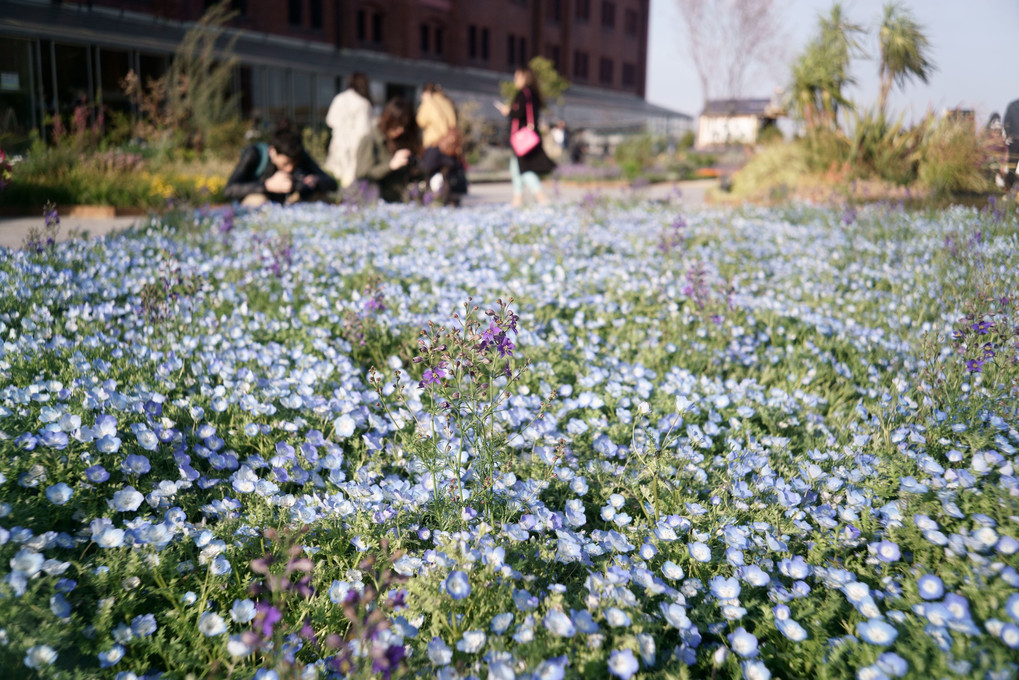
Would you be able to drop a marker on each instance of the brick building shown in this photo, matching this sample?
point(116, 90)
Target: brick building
point(296, 54)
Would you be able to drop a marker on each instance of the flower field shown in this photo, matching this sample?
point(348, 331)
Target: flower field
point(599, 440)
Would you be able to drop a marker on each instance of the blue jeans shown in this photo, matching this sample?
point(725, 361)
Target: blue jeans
point(519, 179)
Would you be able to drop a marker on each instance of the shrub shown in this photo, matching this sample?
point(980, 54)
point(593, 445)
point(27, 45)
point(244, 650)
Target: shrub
point(952, 159)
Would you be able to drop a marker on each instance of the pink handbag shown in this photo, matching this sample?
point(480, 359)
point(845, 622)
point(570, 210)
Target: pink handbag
point(525, 139)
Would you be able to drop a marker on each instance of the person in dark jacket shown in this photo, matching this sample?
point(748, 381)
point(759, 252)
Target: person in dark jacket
point(387, 156)
point(523, 112)
point(279, 172)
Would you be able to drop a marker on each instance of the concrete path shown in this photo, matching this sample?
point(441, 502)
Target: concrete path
point(14, 231)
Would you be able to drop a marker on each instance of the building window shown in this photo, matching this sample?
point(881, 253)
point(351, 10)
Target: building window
point(605, 68)
point(583, 10)
point(580, 65)
point(608, 14)
point(431, 39)
point(484, 44)
point(630, 22)
point(629, 75)
point(369, 26)
point(294, 17)
point(522, 50)
point(472, 42)
point(554, 10)
point(552, 52)
point(315, 14)
point(511, 49)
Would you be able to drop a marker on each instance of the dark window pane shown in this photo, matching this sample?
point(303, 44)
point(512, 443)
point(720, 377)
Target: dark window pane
point(472, 42)
point(362, 31)
point(294, 8)
point(438, 40)
point(377, 28)
point(315, 14)
point(484, 44)
point(424, 38)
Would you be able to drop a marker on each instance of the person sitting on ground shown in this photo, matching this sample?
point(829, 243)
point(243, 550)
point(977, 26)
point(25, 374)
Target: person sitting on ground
point(442, 158)
point(279, 171)
point(387, 156)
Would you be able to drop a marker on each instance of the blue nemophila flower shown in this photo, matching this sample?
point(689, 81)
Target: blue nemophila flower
point(143, 625)
point(97, 474)
point(699, 551)
point(876, 632)
point(500, 622)
point(892, 664)
point(439, 652)
point(743, 643)
point(672, 571)
point(40, 656)
point(724, 588)
point(623, 664)
point(135, 464)
point(886, 551)
point(558, 623)
point(930, 587)
point(127, 499)
point(551, 669)
point(111, 656)
point(1012, 606)
point(472, 641)
point(59, 493)
point(616, 618)
point(755, 669)
point(211, 624)
point(458, 585)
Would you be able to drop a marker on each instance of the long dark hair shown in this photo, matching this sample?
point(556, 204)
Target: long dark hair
point(398, 112)
point(531, 83)
point(359, 83)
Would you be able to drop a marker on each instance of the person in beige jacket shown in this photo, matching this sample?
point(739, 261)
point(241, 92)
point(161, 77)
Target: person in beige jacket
point(436, 115)
point(350, 119)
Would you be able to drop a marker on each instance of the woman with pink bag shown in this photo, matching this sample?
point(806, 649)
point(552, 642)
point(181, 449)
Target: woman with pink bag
point(529, 161)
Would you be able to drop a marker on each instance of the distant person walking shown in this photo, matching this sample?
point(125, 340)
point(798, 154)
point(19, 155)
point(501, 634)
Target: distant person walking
point(529, 161)
point(350, 119)
point(279, 171)
point(387, 155)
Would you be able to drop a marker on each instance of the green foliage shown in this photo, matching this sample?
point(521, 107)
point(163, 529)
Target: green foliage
point(952, 158)
point(883, 148)
point(200, 77)
point(634, 154)
point(551, 83)
point(904, 50)
point(821, 72)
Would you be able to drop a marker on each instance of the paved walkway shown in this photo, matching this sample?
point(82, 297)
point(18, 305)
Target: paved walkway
point(13, 231)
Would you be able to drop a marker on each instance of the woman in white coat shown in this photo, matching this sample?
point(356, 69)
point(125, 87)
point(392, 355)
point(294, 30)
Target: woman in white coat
point(350, 119)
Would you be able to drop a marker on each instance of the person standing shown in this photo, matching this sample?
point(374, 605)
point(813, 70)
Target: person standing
point(387, 155)
point(527, 168)
point(350, 119)
point(279, 171)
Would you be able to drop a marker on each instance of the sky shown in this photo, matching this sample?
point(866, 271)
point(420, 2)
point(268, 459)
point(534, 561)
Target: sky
point(974, 43)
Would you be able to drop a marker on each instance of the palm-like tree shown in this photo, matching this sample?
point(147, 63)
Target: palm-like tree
point(904, 50)
point(822, 70)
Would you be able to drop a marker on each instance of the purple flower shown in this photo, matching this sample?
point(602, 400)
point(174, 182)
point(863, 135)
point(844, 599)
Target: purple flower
point(433, 376)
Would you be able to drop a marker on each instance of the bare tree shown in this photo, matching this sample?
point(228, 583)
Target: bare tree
point(731, 41)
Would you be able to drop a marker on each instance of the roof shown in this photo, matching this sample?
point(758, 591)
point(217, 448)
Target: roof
point(739, 107)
